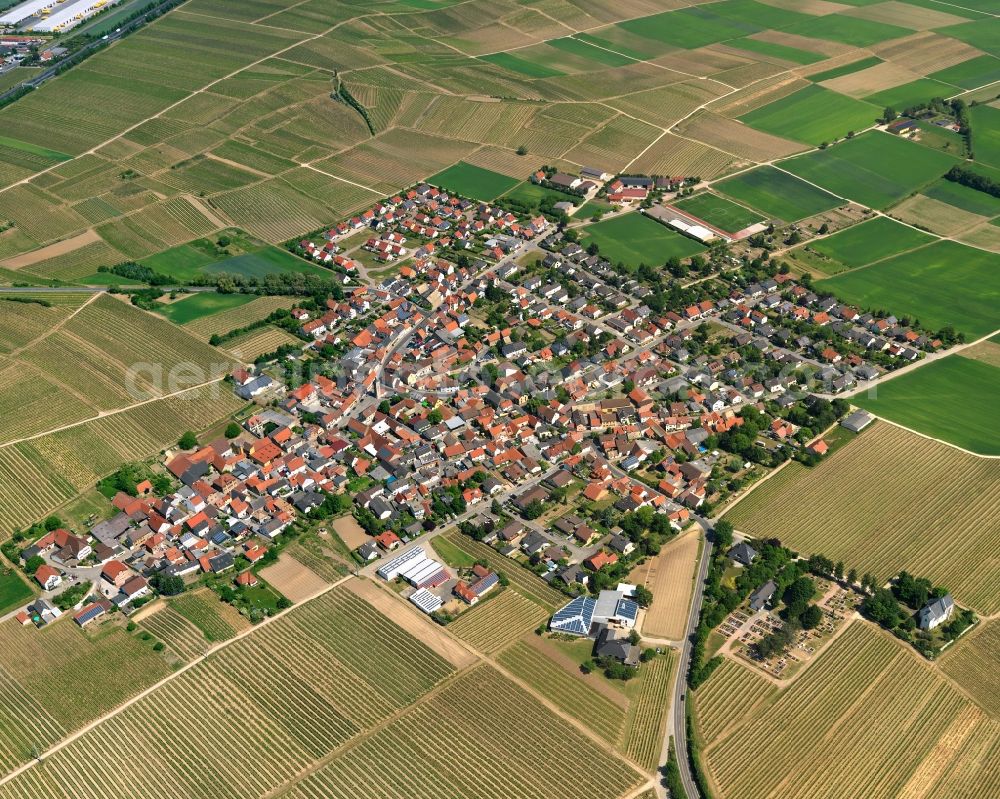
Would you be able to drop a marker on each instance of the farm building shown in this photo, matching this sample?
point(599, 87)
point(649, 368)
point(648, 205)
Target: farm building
point(426, 601)
point(416, 568)
point(857, 421)
point(583, 615)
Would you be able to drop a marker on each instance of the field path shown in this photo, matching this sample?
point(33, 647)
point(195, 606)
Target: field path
point(146, 692)
point(58, 326)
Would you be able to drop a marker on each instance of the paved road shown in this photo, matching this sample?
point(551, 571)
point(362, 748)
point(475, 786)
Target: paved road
point(679, 713)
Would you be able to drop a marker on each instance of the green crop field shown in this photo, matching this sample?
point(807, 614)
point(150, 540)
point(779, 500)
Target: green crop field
point(777, 194)
point(698, 26)
point(909, 94)
point(813, 115)
point(847, 30)
point(14, 591)
point(187, 262)
point(968, 199)
point(876, 169)
point(532, 195)
point(943, 284)
point(846, 69)
point(986, 134)
point(570, 44)
point(718, 212)
point(472, 181)
point(530, 68)
point(203, 304)
point(953, 399)
point(634, 239)
point(870, 241)
point(969, 74)
point(784, 52)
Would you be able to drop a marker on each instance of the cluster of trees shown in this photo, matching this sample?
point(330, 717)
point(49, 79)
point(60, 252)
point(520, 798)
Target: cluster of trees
point(12, 546)
point(773, 562)
point(29, 301)
point(298, 284)
point(742, 440)
point(129, 475)
point(130, 270)
point(343, 94)
point(282, 317)
point(973, 180)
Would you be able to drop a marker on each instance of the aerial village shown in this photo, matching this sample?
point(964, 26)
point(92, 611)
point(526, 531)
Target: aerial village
point(502, 380)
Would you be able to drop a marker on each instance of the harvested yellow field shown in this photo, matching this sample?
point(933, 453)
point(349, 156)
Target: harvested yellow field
point(985, 351)
point(926, 51)
point(758, 95)
point(907, 16)
point(868, 718)
point(294, 580)
point(870, 503)
point(252, 345)
point(986, 237)
point(674, 155)
point(940, 217)
point(974, 663)
point(350, 532)
point(869, 81)
point(734, 137)
point(670, 576)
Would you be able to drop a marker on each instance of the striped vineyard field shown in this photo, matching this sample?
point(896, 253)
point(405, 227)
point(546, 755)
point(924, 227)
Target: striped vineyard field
point(251, 346)
point(49, 664)
point(501, 743)
point(974, 663)
point(280, 698)
point(498, 620)
point(215, 619)
point(28, 488)
point(240, 316)
point(571, 694)
point(86, 452)
point(181, 635)
point(25, 726)
point(732, 693)
point(865, 719)
point(878, 505)
point(22, 322)
point(646, 723)
point(526, 582)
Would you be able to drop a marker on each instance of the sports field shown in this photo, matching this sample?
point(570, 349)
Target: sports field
point(953, 399)
point(635, 239)
point(870, 241)
point(777, 194)
point(472, 181)
point(876, 169)
point(868, 718)
point(719, 212)
point(945, 283)
point(869, 503)
point(813, 115)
